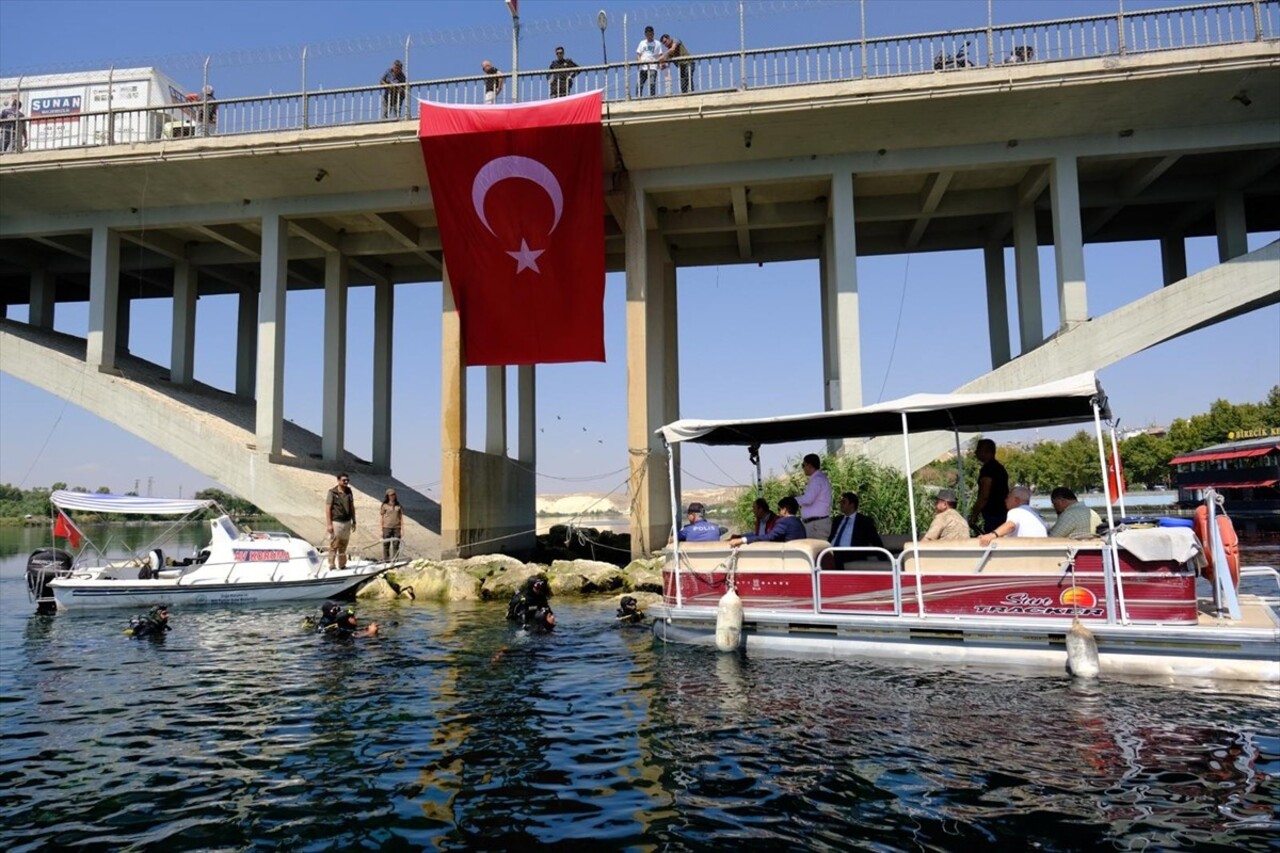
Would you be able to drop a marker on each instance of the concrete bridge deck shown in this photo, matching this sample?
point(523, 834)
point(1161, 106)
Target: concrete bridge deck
point(1163, 145)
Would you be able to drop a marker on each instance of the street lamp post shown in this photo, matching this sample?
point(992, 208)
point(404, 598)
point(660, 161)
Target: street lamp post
point(602, 21)
point(514, 6)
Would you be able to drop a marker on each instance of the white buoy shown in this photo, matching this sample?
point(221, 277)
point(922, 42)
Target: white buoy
point(1082, 651)
point(729, 622)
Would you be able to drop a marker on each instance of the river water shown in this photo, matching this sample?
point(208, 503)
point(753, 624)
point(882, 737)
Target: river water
point(239, 731)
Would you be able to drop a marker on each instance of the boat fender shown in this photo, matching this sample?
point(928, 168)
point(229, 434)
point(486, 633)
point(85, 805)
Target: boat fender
point(1230, 543)
point(1082, 651)
point(729, 622)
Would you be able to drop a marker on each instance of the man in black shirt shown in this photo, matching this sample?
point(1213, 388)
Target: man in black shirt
point(561, 78)
point(989, 511)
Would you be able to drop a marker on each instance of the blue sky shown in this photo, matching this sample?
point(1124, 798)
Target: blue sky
point(930, 338)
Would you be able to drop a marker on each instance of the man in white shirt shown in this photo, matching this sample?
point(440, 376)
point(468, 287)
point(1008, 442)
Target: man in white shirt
point(647, 55)
point(1022, 521)
point(815, 503)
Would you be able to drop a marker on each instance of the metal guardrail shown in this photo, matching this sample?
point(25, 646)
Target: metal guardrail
point(1095, 36)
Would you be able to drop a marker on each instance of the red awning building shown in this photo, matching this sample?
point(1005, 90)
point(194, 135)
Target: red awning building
point(1246, 472)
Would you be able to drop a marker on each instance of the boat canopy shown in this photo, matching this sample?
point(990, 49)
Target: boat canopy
point(1064, 401)
point(125, 504)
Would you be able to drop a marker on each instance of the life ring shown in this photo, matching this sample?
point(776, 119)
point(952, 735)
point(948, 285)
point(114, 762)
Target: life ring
point(1230, 543)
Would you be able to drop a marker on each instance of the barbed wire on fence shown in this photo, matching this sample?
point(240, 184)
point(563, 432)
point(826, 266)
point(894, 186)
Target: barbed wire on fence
point(498, 34)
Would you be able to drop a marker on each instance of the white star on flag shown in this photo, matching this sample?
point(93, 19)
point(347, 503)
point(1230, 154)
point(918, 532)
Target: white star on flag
point(526, 258)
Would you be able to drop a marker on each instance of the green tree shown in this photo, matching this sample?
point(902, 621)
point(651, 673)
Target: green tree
point(1145, 459)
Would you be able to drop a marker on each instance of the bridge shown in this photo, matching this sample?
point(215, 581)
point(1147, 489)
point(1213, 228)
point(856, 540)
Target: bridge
point(1155, 126)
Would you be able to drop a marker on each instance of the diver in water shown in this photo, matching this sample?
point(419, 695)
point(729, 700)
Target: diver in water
point(530, 608)
point(336, 621)
point(629, 612)
point(154, 624)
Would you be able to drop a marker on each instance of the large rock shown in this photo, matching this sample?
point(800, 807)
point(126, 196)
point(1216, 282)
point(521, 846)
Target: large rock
point(584, 577)
point(503, 583)
point(427, 580)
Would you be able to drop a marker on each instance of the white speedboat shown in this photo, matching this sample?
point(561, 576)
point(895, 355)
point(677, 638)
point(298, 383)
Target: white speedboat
point(235, 567)
point(1012, 603)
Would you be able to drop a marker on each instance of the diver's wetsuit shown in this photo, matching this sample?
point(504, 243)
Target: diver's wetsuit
point(334, 621)
point(529, 606)
point(154, 624)
point(629, 612)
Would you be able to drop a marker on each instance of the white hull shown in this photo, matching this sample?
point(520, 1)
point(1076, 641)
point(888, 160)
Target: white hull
point(1225, 652)
point(74, 593)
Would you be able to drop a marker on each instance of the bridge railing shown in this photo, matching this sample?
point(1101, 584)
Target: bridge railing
point(1094, 36)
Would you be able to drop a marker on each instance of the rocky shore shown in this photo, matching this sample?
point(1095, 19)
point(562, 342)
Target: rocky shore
point(496, 577)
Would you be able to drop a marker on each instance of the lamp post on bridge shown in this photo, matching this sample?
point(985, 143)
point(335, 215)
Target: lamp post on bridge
point(514, 6)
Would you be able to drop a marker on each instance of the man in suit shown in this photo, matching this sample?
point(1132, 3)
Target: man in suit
point(854, 529)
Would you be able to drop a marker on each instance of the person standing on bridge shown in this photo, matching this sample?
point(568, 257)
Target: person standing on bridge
point(13, 133)
point(492, 82)
point(647, 52)
point(562, 74)
point(675, 51)
point(393, 85)
point(339, 519)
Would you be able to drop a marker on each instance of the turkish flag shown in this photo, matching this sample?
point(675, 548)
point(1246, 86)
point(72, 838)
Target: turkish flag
point(519, 197)
point(1115, 477)
point(63, 528)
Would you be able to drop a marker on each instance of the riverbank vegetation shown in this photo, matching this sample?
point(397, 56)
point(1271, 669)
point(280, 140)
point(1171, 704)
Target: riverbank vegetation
point(32, 506)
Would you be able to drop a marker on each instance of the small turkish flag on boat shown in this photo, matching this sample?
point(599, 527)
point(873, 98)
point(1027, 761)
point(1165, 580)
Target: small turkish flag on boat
point(65, 529)
point(1115, 477)
point(519, 195)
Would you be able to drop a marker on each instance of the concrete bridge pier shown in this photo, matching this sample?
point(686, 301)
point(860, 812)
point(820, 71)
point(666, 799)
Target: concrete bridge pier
point(487, 499)
point(838, 271)
point(104, 298)
point(652, 370)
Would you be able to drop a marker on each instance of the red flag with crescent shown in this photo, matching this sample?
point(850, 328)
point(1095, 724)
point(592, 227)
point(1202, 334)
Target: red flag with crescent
point(65, 529)
point(1115, 476)
point(519, 196)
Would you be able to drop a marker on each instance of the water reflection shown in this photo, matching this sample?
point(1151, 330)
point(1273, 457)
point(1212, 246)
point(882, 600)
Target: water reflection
point(449, 730)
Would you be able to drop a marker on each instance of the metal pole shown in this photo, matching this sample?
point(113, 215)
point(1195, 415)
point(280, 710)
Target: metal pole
point(1257, 20)
point(675, 513)
point(626, 58)
point(204, 99)
point(862, 14)
point(515, 58)
point(19, 124)
point(602, 21)
point(1114, 585)
point(1120, 25)
point(111, 119)
point(305, 117)
point(915, 533)
point(742, 45)
point(404, 96)
point(991, 41)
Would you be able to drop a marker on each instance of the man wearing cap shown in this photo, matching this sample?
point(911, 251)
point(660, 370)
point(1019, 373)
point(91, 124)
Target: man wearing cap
point(815, 503)
point(948, 524)
point(699, 529)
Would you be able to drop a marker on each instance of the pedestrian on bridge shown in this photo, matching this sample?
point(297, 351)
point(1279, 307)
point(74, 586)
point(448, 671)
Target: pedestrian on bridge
point(393, 86)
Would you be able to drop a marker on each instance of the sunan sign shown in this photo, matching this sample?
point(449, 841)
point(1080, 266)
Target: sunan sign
point(56, 105)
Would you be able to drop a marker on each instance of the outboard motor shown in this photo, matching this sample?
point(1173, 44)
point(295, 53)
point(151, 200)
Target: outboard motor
point(43, 566)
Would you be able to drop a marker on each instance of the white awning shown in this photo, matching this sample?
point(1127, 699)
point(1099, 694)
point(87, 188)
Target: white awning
point(1065, 401)
point(125, 504)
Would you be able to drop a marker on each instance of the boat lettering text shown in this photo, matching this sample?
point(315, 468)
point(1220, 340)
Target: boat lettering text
point(1022, 603)
point(260, 555)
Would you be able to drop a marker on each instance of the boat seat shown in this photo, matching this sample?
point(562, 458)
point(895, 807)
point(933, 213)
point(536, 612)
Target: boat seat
point(797, 555)
point(1033, 556)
